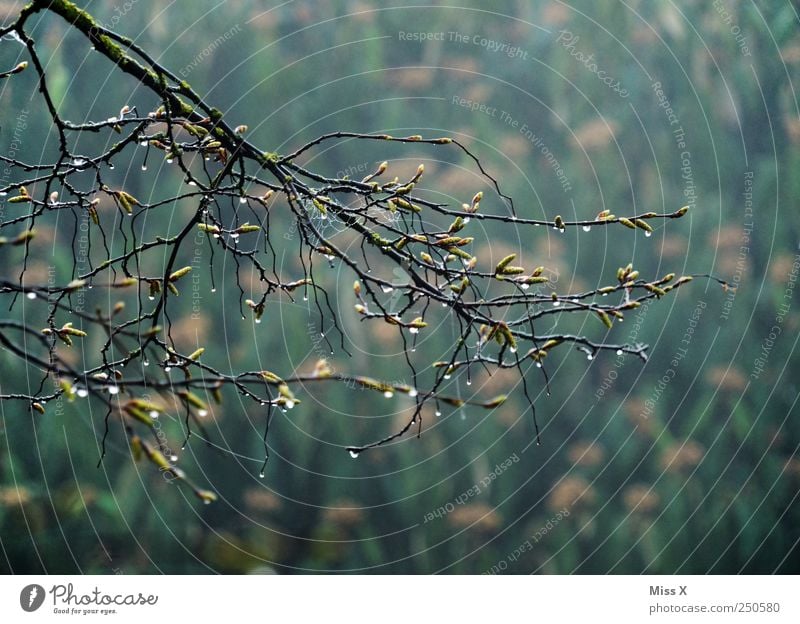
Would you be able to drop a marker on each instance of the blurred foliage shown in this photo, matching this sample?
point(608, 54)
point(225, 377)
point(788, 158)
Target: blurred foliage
point(705, 481)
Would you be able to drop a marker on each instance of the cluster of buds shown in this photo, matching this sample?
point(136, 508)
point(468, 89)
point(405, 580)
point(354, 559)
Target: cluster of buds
point(65, 333)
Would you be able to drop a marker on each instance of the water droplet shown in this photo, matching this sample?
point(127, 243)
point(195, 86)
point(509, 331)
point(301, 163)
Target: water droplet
point(242, 200)
point(538, 364)
point(144, 167)
point(31, 295)
point(447, 376)
point(167, 369)
point(388, 394)
point(151, 297)
point(438, 413)
point(466, 220)
point(289, 404)
point(353, 453)
point(146, 363)
point(589, 357)
point(648, 234)
point(587, 228)
point(169, 161)
point(556, 304)
point(413, 392)
point(173, 458)
point(111, 165)
point(113, 390)
point(513, 349)
point(213, 290)
point(387, 289)
point(82, 393)
point(413, 330)
point(258, 320)
point(261, 475)
point(619, 351)
point(469, 382)
point(202, 413)
point(525, 286)
point(206, 501)
point(192, 183)
point(305, 297)
point(153, 414)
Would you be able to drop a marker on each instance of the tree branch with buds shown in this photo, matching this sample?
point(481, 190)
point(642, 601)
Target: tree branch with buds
point(394, 221)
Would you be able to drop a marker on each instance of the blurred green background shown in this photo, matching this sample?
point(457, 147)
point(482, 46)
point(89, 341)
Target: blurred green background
point(700, 474)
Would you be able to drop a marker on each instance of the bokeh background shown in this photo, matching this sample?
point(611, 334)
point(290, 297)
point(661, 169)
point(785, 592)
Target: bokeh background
point(577, 107)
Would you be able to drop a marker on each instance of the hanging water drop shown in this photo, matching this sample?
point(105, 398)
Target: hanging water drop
point(587, 228)
point(112, 390)
point(619, 351)
point(438, 413)
point(388, 394)
point(353, 453)
point(202, 413)
point(31, 295)
point(648, 234)
point(82, 393)
point(153, 414)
